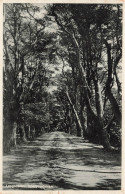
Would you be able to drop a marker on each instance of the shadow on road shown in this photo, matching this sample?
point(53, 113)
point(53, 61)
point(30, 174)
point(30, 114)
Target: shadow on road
point(58, 161)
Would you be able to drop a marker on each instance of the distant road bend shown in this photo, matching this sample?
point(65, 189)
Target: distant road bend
point(58, 160)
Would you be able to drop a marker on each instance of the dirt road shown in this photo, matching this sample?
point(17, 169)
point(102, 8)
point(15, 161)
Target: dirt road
point(57, 160)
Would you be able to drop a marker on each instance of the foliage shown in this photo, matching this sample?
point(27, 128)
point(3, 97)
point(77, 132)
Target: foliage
point(80, 57)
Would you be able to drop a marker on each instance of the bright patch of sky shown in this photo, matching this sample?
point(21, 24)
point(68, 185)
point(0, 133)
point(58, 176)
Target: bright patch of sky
point(51, 27)
point(42, 9)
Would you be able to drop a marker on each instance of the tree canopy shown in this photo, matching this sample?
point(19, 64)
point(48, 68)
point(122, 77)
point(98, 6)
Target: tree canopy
point(62, 68)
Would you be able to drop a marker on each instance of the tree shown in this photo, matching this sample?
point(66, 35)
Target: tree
point(81, 26)
point(25, 51)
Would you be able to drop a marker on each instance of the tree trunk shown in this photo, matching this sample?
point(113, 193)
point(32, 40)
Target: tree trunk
point(83, 114)
point(79, 128)
point(29, 132)
point(7, 134)
point(13, 138)
point(9, 124)
point(102, 132)
point(103, 135)
point(23, 133)
point(70, 121)
point(90, 132)
point(98, 98)
point(114, 104)
point(84, 122)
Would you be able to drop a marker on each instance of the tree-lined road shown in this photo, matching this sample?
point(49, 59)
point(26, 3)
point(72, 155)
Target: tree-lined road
point(58, 160)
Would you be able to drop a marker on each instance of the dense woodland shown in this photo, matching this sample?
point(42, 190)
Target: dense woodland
point(61, 72)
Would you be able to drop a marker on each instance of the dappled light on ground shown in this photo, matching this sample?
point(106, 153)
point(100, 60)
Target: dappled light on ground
point(59, 161)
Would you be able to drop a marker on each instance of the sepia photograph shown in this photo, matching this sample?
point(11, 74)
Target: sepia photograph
point(62, 96)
